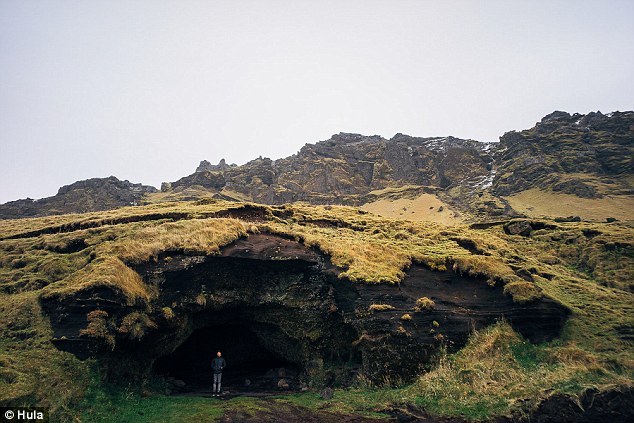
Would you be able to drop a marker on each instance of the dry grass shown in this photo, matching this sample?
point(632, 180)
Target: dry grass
point(523, 292)
point(491, 268)
point(426, 207)
point(204, 236)
point(537, 203)
point(108, 272)
point(380, 307)
point(424, 303)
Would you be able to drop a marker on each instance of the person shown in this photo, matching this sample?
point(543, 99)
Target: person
point(217, 365)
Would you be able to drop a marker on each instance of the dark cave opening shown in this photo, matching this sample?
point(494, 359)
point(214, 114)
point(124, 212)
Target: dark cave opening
point(250, 366)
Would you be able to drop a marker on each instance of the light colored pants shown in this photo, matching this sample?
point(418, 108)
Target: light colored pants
point(216, 386)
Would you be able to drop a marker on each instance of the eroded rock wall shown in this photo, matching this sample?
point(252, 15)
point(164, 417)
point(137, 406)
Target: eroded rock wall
point(291, 298)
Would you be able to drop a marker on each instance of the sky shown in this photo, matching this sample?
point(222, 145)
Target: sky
point(145, 90)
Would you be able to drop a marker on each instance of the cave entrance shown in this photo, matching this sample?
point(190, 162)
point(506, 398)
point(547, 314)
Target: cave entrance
point(250, 366)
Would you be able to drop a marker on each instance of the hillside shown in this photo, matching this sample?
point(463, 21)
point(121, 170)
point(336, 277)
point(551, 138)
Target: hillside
point(586, 156)
point(520, 318)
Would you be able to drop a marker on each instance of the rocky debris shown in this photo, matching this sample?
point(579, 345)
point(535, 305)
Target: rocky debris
point(95, 194)
point(179, 383)
point(282, 384)
point(525, 227)
point(576, 187)
point(592, 406)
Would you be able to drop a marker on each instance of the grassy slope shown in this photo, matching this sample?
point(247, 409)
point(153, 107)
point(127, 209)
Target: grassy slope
point(586, 266)
point(426, 207)
point(537, 203)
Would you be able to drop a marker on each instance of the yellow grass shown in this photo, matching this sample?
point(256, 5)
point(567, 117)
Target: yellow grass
point(537, 203)
point(204, 236)
point(381, 307)
point(423, 208)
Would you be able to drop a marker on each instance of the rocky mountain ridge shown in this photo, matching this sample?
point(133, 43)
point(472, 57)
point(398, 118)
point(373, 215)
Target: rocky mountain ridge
point(587, 156)
point(95, 194)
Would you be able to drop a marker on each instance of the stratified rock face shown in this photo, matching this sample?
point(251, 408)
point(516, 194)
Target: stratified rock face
point(272, 296)
point(568, 153)
point(83, 196)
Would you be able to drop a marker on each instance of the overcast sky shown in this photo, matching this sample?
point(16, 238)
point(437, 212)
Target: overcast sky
point(144, 90)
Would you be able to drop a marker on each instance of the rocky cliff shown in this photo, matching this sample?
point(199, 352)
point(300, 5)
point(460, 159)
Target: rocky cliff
point(83, 196)
point(587, 156)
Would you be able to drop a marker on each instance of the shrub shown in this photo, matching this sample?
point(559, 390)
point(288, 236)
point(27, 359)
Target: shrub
point(135, 325)
point(99, 328)
point(406, 317)
point(168, 313)
point(424, 303)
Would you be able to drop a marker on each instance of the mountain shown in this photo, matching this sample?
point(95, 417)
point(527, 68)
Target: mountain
point(585, 155)
point(440, 178)
point(95, 194)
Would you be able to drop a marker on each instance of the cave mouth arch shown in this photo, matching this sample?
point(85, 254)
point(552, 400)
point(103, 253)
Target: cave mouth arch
point(250, 365)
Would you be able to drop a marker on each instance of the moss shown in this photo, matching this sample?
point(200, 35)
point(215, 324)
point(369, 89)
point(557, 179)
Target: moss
point(380, 307)
point(168, 313)
point(424, 303)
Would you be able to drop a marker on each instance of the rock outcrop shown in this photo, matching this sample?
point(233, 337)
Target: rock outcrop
point(574, 154)
point(94, 194)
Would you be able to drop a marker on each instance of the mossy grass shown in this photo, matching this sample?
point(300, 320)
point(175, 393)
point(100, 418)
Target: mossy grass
point(588, 267)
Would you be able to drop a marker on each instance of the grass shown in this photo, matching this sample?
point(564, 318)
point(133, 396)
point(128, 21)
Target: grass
point(497, 368)
point(425, 207)
point(380, 307)
point(589, 267)
point(538, 203)
point(424, 303)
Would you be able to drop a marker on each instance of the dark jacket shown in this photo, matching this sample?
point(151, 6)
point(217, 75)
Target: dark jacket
point(217, 364)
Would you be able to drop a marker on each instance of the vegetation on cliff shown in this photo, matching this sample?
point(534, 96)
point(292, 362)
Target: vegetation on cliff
point(588, 267)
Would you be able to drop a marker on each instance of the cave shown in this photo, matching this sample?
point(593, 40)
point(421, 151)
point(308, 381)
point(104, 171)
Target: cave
point(279, 310)
point(250, 365)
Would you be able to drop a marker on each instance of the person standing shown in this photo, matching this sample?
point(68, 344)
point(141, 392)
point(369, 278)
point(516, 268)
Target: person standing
point(217, 365)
